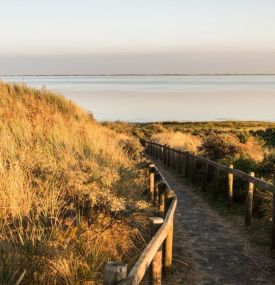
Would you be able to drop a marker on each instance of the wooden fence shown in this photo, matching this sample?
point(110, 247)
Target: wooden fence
point(186, 163)
point(158, 253)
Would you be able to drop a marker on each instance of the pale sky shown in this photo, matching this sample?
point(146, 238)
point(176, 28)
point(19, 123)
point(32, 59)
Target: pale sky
point(137, 36)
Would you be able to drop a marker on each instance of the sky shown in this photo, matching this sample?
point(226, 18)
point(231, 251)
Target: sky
point(137, 36)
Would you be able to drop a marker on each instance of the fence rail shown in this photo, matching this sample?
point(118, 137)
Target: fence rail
point(158, 253)
point(186, 163)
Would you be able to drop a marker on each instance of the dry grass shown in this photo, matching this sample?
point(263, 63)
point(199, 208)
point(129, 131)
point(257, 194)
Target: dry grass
point(65, 185)
point(178, 140)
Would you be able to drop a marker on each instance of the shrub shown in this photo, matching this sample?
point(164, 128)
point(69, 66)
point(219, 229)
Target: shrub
point(178, 140)
point(217, 147)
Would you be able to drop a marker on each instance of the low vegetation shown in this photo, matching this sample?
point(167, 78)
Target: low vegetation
point(249, 146)
point(70, 189)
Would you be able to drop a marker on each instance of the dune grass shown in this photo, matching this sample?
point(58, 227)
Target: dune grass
point(69, 190)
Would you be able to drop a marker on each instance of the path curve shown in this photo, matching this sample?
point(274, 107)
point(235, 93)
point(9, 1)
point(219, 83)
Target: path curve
point(207, 250)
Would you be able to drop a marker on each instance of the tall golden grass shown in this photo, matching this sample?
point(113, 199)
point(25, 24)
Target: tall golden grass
point(184, 141)
point(65, 185)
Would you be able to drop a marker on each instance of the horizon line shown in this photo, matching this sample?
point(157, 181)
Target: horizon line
point(145, 74)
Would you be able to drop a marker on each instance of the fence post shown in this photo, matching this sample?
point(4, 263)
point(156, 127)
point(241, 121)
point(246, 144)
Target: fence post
point(194, 166)
point(114, 272)
point(164, 154)
point(162, 188)
point(156, 265)
point(216, 183)
point(230, 188)
point(190, 166)
point(273, 223)
point(249, 201)
point(151, 181)
point(179, 162)
point(168, 251)
point(169, 157)
point(156, 189)
point(205, 175)
point(186, 171)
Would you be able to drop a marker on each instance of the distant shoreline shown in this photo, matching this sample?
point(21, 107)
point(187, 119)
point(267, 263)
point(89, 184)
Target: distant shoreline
point(161, 74)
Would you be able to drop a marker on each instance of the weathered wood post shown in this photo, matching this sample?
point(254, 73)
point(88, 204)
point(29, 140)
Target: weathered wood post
point(151, 181)
point(273, 223)
point(172, 161)
point(190, 167)
point(180, 162)
point(156, 190)
point(205, 176)
point(168, 157)
point(186, 169)
point(162, 187)
point(156, 265)
point(216, 183)
point(230, 187)
point(249, 201)
point(168, 245)
point(194, 167)
point(114, 272)
point(165, 154)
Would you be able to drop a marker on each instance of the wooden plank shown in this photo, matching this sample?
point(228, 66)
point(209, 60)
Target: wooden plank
point(156, 265)
point(230, 188)
point(138, 270)
point(249, 202)
point(151, 181)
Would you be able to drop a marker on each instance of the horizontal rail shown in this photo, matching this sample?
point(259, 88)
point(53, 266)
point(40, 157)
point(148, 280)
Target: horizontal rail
point(138, 270)
point(115, 273)
point(256, 181)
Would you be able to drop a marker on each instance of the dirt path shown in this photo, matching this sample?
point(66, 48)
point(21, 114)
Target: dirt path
point(207, 250)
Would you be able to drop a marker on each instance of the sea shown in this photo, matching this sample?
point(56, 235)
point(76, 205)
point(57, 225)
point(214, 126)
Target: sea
point(165, 97)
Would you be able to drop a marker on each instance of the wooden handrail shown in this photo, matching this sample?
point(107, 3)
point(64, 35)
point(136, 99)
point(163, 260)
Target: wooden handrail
point(190, 160)
point(256, 181)
point(163, 234)
point(138, 270)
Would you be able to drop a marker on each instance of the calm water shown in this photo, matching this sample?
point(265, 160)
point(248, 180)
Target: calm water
point(152, 98)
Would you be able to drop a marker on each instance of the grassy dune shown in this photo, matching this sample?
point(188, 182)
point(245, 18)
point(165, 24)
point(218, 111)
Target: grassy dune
point(69, 190)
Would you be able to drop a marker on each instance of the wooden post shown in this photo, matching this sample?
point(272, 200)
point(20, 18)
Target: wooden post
point(156, 265)
point(205, 175)
point(189, 166)
point(230, 188)
point(158, 151)
point(168, 157)
point(162, 187)
point(179, 162)
point(156, 190)
point(176, 158)
point(168, 245)
point(172, 162)
point(194, 166)
point(249, 202)
point(273, 223)
point(151, 181)
point(186, 169)
point(216, 183)
point(164, 154)
point(114, 272)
